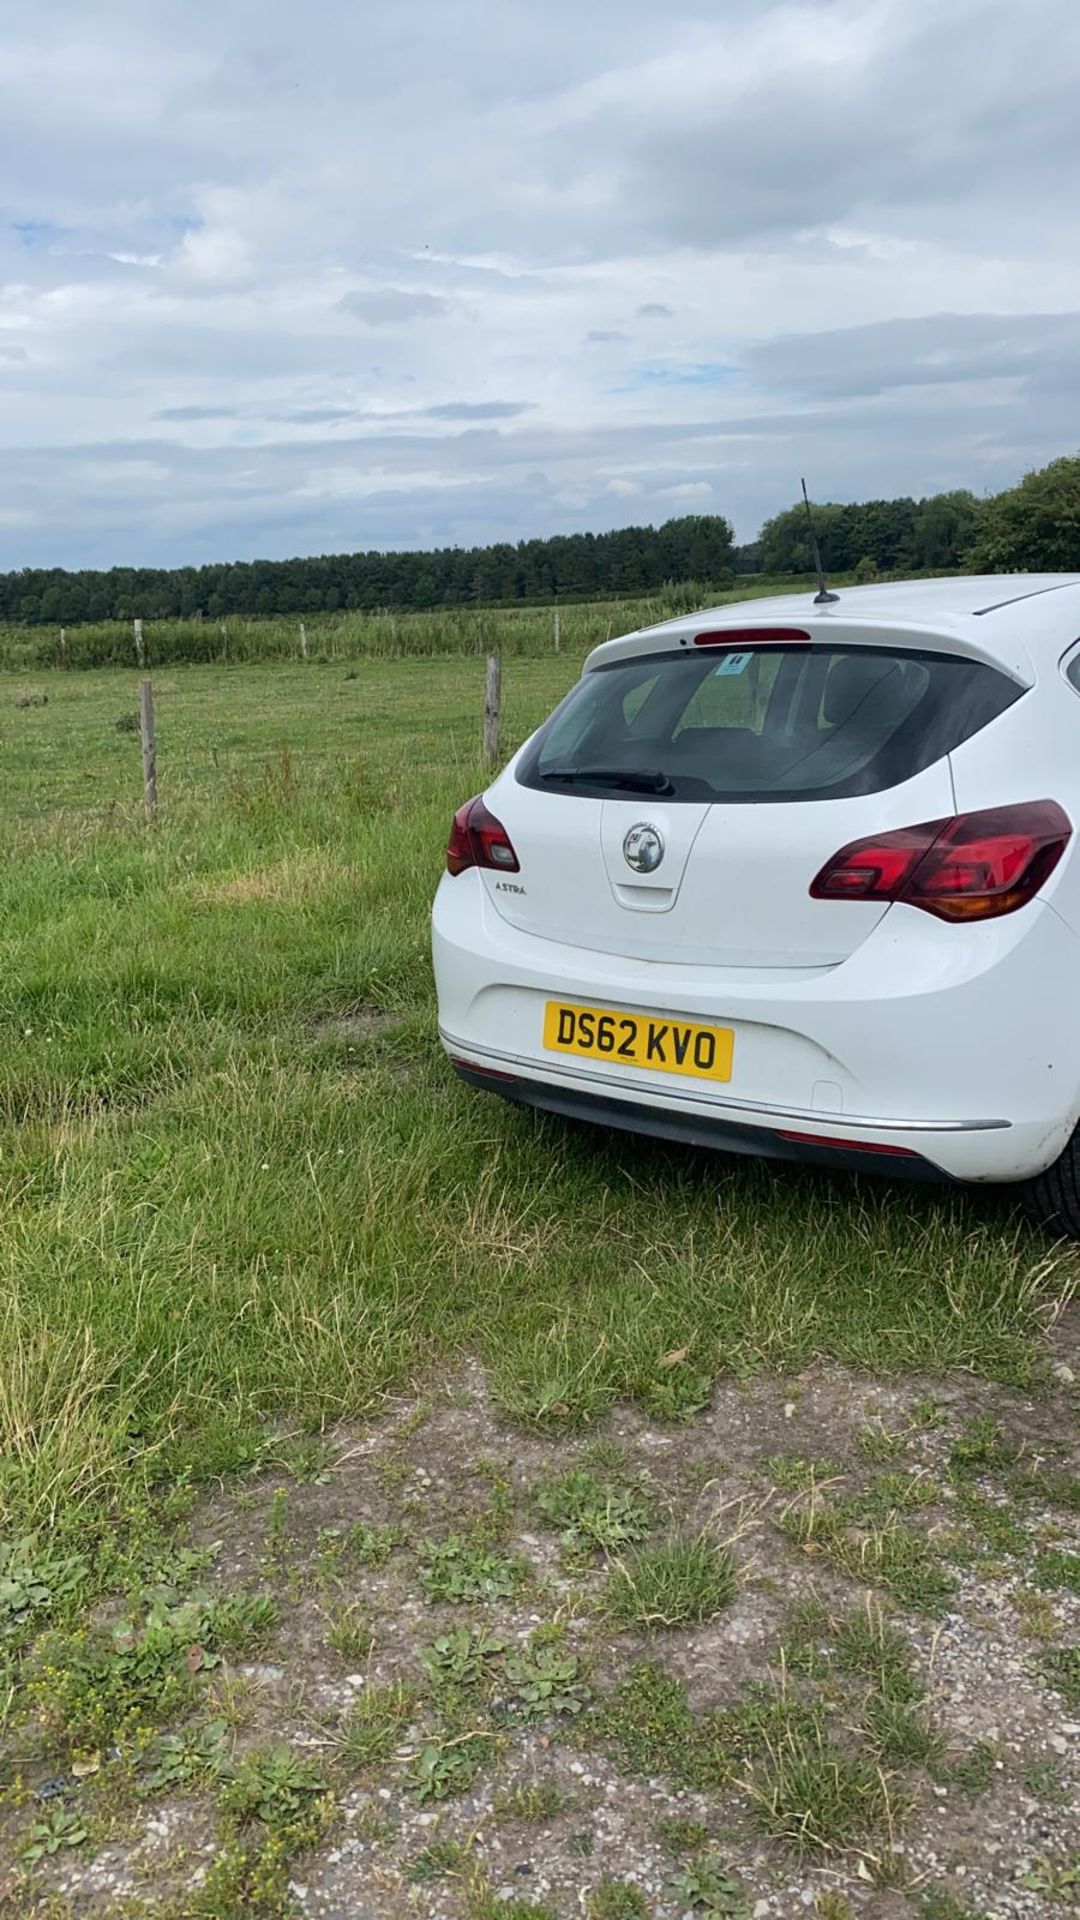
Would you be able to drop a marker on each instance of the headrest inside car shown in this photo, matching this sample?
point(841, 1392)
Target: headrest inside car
point(851, 681)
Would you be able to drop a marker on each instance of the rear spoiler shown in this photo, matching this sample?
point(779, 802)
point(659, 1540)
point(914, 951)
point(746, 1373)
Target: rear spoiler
point(963, 640)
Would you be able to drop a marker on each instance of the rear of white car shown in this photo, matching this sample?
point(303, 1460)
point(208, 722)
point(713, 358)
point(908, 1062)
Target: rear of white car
point(792, 880)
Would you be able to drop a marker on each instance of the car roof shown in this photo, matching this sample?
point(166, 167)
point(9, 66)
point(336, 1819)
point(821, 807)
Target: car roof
point(1018, 620)
point(925, 600)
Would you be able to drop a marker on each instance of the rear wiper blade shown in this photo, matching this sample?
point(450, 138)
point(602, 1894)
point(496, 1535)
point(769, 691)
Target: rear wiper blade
point(642, 780)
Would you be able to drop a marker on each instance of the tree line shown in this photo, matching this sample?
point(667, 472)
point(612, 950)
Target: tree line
point(579, 566)
point(1032, 527)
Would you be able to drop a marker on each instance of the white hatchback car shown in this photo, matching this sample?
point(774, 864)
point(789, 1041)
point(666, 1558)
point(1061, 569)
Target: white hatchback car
point(798, 880)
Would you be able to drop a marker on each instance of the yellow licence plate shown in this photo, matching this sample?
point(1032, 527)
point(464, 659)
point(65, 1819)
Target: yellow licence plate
point(639, 1040)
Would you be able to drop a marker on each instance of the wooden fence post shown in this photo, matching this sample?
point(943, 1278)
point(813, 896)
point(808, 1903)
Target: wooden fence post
point(149, 747)
point(63, 647)
point(492, 703)
point(303, 641)
point(556, 629)
point(140, 651)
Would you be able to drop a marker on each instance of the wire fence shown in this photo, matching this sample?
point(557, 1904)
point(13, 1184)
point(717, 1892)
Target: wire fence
point(280, 741)
point(238, 639)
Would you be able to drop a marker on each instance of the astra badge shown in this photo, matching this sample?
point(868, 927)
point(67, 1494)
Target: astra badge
point(643, 848)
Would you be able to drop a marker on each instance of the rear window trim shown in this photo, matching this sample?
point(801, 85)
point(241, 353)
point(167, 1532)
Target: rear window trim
point(527, 761)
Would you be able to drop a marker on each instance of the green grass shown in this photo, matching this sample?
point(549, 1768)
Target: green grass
point(900, 1734)
point(973, 1772)
point(941, 1905)
point(492, 1906)
point(349, 1633)
point(1057, 1567)
point(676, 1583)
point(90, 1686)
point(982, 1447)
point(238, 1183)
point(617, 1900)
point(344, 637)
point(891, 1555)
point(1060, 1668)
point(537, 1800)
point(868, 1644)
point(680, 1834)
point(816, 1795)
point(250, 1877)
point(647, 1723)
point(376, 1724)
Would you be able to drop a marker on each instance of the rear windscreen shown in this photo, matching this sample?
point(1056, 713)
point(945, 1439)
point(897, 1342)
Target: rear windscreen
point(763, 723)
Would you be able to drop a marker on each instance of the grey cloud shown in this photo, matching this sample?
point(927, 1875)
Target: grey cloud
point(794, 121)
point(860, 174)
point(388, 306)
point(317, 416)
point(479, 409)
point(195, 413)
point(933, 350)
point(377, 489)
point(731, 121)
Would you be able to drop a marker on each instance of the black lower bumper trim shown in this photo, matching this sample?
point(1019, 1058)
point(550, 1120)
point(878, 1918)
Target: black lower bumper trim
point(694, 1130)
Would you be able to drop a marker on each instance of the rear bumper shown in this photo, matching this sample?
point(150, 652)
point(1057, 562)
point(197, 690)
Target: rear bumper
point(698, 1130)
point(952, 1046)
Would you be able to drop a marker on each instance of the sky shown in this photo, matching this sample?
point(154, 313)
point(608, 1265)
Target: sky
point(284, 280)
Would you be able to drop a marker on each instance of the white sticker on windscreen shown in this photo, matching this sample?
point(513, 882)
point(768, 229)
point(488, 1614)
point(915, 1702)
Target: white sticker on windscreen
point(733, 663)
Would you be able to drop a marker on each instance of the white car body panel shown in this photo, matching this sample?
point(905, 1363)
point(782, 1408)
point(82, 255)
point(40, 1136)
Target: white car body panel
point(760, 914)
point(853, 1020)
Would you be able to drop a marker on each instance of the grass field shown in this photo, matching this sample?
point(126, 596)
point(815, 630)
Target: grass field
point(244, 1203)
point(242, 639)
point(238, 1179)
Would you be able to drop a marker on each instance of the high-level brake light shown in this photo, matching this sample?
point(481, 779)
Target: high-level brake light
point(739, 637)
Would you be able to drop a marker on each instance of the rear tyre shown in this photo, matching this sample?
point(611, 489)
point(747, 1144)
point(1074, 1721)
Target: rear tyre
point(1052, 1199)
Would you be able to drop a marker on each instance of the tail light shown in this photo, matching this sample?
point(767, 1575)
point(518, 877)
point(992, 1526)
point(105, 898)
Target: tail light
point(477, 839)
point(975, 867)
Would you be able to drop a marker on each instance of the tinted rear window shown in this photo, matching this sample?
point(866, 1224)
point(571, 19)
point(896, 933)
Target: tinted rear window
point(765, 723)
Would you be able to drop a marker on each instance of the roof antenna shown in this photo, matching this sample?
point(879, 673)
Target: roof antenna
point(822, 597)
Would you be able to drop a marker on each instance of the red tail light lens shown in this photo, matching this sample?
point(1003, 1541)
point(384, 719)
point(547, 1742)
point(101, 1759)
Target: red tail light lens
point(975, 867)
point(477, 839)
point(754, 637)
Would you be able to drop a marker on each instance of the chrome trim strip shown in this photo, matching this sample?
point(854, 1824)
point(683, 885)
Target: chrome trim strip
point(826, 1121)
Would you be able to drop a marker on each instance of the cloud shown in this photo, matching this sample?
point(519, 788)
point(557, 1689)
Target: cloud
point(688, 490)
point(707, 374)
point(318, 416)
point(239, 315)
point(195, 413)
point(932, 350)
point(390, 306)
point(479, 410)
